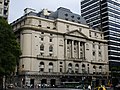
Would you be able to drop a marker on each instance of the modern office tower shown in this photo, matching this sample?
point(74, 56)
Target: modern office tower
point(4, 8)
point(105, 15)
point(59, 48)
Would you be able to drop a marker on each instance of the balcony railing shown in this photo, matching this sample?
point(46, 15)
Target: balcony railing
point(46, 57)
point(59, 73)
point(100, 62)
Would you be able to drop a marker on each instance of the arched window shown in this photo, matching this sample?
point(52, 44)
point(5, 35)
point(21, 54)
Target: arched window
point(41, 67)
point(41, 47)
point(50, 67)
point(61, 68)
point(100, 68)
point(83, 68)
point(76, 68)
point(70, 68)
point(70, 65)
point(94, 69)
point(50, 48)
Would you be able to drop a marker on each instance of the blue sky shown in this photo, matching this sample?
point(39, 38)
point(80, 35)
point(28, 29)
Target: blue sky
point(16, 7)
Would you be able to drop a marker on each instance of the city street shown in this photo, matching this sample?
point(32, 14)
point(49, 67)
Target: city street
point(47, 89)
point(43, 89)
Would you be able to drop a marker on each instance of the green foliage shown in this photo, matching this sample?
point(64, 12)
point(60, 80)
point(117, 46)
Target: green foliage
point(9, 49)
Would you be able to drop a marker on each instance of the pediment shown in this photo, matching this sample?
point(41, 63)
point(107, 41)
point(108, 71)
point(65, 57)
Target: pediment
point(76, 33)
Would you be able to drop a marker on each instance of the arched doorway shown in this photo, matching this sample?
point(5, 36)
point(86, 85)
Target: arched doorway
point(53, 82)
point(43, 81)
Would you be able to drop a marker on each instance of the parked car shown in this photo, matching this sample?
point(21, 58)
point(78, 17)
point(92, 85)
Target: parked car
point(80, 87)
point(117, 87)
point(11, 86)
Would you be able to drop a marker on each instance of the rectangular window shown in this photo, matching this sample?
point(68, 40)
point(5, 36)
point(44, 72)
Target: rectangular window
point(67, 27)
point(95, 34)
point(0, 10)
point(93, 45)
point(99, 47)
point(41, 39)
point(60, 69)
point(90, 34)
point(87, 46)
point(54, 26)
point(39, 22)
point(100, 54)
point(93, 53)
point(50, 39)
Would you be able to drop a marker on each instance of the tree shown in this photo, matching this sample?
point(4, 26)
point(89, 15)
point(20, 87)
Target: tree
point(9, 49)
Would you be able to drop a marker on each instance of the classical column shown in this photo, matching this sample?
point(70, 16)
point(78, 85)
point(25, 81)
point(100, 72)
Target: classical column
point(84, 51)
point(78, 49)
point(65, 48)
point(72, 49)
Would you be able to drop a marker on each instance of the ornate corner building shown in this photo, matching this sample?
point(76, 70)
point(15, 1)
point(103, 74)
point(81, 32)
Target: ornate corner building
point(58, 47)
point(4, 8)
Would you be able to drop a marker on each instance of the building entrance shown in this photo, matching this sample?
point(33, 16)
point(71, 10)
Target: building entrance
point(32, 83)
point(52, 82)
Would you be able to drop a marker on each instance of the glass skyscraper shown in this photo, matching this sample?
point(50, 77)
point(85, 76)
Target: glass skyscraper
point(105, 15)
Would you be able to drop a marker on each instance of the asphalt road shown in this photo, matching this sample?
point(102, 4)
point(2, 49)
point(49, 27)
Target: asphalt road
point(47, 89)
point(43, 89)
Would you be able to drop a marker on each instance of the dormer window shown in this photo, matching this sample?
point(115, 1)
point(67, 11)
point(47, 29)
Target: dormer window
point(47, 17)
point(66, 19)
point(78, 18)
point(73, 20)
point(66, 14)
point(72, 16)
point(78, 21)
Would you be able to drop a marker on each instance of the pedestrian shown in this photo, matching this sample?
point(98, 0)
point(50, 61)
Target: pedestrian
point(89, 87)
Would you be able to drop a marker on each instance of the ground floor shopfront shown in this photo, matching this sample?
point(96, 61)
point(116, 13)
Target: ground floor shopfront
point(60, 79)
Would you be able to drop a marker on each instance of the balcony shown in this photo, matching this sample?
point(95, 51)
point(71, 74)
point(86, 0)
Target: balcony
point(47, 57)
point(100, 74)
point(98, 62)
point(76, 59)
point(40, 73)
point(37, 73)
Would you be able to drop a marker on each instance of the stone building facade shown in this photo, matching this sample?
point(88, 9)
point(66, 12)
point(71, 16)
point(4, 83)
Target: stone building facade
point(4, 8)
point(58, 47)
